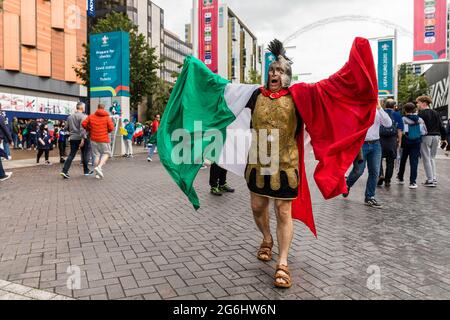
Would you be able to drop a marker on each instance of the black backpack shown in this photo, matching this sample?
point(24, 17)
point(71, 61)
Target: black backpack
point(387, 132)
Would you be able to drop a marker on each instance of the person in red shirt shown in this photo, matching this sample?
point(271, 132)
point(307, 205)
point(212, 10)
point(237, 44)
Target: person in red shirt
point(152, 141)
point(99, 125)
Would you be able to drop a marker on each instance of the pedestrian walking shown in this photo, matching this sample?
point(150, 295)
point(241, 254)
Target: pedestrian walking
point(99, 125)
point(371, 151)
point(32, 134)
point(146, 135)
point(128, 139)
point(415, 129)
point(6, 148)
point(77, 140)
point(15, 132)
point(62, 145)
point(218, 181)
point(5, 138)
point(430, 143)
point(25, 134)
point(44, 142)
point(390, 139)
point(153, 139)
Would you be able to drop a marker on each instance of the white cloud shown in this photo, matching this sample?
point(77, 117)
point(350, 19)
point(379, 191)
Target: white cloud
point(321, 51)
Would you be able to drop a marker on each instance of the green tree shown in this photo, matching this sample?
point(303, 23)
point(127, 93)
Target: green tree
point(159, 99)
point(410, 86)
point(143, 60)
point(253, 77)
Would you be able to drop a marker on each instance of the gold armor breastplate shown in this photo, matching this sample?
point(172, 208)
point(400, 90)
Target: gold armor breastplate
point(278, 119)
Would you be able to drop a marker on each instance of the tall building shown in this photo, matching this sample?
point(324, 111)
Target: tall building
point(238, 52)
point(175, 50)
point(40, 43)
point(148, 17)
point(188, 33)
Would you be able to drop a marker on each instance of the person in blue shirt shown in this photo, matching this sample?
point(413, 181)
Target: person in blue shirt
point(62, 143)
point(390, 139)
point(128, 139)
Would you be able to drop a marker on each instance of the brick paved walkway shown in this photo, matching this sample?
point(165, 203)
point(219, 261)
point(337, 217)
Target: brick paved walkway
point(134, 236)
point(14, 291)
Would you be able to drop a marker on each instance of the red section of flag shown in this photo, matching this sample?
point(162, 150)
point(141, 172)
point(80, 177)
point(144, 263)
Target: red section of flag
point(337, 113)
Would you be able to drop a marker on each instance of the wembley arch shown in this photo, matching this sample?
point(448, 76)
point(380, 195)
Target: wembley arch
point(338, 19)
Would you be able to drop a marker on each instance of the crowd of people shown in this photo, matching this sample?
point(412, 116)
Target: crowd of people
point(413, 132)
point(91, 135)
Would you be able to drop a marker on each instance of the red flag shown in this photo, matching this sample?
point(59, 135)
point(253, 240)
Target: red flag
point(337, 113)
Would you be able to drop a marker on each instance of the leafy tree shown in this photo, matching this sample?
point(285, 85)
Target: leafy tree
point(410, 86)
point(253, 77)
point(143, 61)
point(159, 99)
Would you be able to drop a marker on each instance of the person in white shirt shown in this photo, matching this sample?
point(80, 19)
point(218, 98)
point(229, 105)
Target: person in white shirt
point(371, 152)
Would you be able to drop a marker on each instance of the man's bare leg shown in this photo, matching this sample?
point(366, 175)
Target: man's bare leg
point(97, 161)
point(260, 208)
point(103, 160)
point(285, 232)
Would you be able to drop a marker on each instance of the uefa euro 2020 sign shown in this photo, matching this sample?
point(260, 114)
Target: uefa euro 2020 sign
point(110, 64)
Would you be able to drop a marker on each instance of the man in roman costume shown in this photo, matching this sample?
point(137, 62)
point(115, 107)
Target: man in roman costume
point(336, 113)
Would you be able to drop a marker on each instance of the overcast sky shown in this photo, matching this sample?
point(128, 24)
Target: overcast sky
point(321, 51)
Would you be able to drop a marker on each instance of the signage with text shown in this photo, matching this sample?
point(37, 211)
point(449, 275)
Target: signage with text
point(110, 64)
point(208, 16)
point(430, 30)
point(91, 8)
point(386, 67)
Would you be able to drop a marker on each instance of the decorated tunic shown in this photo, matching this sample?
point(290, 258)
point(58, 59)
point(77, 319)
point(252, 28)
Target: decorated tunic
point(272, 169)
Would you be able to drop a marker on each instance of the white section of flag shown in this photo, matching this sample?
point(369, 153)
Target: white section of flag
point(239, 137)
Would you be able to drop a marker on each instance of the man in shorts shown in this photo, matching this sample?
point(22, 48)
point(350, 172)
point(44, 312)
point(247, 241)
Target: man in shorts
point(99, 125)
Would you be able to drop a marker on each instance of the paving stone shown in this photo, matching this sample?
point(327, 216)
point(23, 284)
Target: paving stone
point(126, 251)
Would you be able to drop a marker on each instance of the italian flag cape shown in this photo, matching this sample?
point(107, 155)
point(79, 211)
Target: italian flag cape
point(337, 112)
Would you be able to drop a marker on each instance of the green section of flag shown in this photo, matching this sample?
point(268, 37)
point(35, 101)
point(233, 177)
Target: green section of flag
point(197, 96)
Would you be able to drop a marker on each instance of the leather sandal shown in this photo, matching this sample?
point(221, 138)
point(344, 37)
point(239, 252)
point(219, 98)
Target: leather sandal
point(265, 250)
point(282, 273)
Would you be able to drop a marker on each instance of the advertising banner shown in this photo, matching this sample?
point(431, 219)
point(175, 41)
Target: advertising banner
point(110, 64)
point(430, 30)
point(5, 100)
point(42, 105)
point(53, 106)
point(268, 59)
point(91, 8)
point(30, 104)
point(208, 18)
point(17, 102)
point(386, 68)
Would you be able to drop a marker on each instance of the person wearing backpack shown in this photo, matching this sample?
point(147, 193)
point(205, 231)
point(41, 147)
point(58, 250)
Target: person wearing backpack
point(390, 139)
point(430, 142)
point(415, 128)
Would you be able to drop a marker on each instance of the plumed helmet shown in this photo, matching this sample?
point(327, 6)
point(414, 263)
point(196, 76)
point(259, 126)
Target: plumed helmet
point(277, 49)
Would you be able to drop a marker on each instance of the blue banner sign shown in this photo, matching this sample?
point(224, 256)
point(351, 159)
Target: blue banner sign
point(91, 8)
point(268, 59)
point(386, 68)
point(110, 64)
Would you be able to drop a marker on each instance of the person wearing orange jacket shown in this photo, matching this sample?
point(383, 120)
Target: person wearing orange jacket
point(99, 125)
